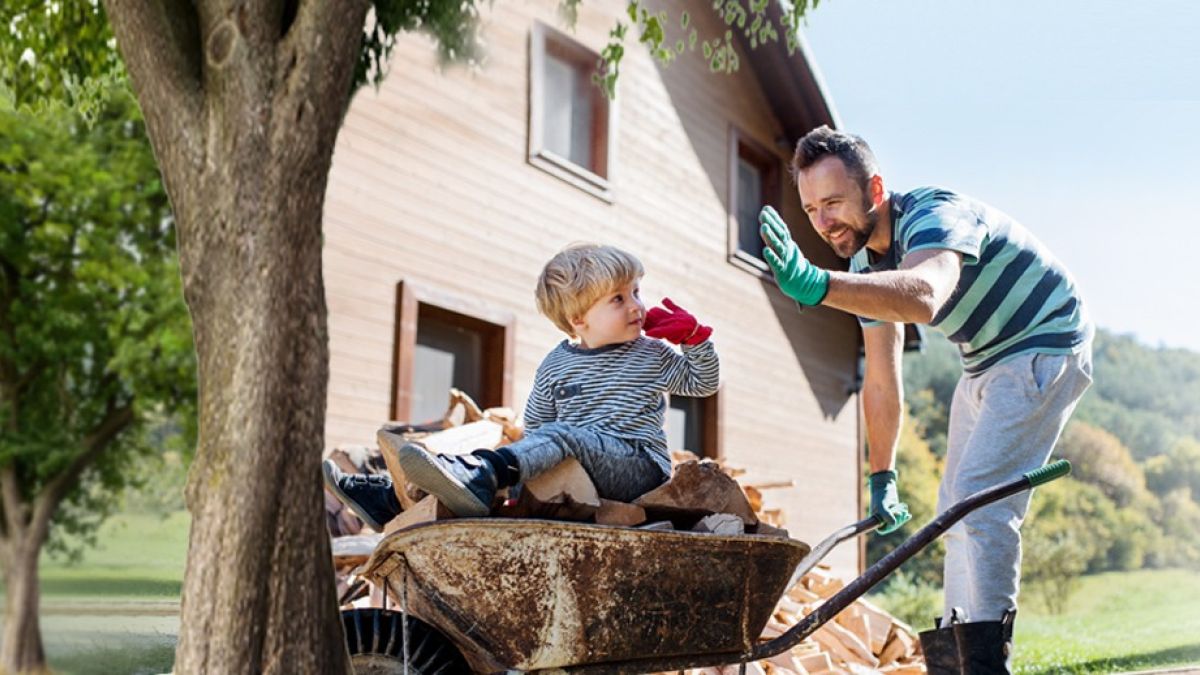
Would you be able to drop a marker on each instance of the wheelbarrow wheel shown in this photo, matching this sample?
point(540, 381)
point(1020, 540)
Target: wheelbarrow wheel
point(375, 639)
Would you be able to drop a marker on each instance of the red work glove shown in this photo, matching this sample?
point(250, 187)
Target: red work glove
point(675, 324)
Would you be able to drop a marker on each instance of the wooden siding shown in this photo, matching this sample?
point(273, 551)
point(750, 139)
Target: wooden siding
point(430, 184)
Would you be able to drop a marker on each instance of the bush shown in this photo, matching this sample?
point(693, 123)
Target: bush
point(911, 600)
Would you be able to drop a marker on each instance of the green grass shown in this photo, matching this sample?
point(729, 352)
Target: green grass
point(137, 556)
point(1116, 622)
point(116, 611)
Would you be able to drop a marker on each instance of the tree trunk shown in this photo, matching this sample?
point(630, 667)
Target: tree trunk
point(242, 103)
point(21, 650)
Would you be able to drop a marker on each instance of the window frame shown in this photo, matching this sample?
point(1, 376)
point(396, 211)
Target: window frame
point(546, 39)
point(770, 163)
point(712, 445)
point(498, 329)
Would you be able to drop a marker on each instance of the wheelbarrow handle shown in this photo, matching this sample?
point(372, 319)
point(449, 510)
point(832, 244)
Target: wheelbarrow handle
point(911, 546)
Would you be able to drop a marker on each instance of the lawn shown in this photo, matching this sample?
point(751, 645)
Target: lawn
point(117, 611)
point(1116, 622)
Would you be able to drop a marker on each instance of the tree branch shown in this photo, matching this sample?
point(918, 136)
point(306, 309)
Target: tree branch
point(116, 421)
point(160, 41)
point(314, 71)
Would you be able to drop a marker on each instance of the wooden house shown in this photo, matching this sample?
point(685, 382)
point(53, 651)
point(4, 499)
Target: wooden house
point(450, 188)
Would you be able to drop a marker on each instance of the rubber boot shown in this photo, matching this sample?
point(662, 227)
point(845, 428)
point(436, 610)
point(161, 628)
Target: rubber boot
point(940, 646)
point(985, 647)
point(941, 651)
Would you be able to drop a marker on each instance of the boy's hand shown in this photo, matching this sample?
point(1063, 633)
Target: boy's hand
point(675, 324)
point(799, 279)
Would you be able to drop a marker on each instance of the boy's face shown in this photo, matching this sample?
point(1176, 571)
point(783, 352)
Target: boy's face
point(614, 318)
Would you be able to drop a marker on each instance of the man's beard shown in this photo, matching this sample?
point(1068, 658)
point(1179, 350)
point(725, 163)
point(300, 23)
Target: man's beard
point(858, 238)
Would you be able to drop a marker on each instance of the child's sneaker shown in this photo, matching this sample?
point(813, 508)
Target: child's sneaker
point(369, 496)
point(465, 484)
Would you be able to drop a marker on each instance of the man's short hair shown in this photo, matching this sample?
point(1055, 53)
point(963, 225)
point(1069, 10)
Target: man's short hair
point(824, 142)
point(578, 276)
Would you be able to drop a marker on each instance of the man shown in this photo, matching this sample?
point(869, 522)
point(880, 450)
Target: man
point(935, 257)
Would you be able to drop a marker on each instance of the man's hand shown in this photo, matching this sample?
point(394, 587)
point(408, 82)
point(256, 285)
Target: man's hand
point(675, 324)
point(799, 279)
point(886, 506)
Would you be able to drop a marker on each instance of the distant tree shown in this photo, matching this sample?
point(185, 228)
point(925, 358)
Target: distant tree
point(1098, 457)
point(1179, 468)
point(1068, 531)
point(95, 341)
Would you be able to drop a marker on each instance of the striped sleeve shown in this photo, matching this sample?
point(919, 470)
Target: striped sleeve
point(939, 219)
point(695, 372)
point(539, 408)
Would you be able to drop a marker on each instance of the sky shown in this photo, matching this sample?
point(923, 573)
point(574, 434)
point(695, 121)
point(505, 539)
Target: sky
point(1080, 118)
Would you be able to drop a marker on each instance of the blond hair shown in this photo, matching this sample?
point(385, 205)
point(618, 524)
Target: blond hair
point(578, 276)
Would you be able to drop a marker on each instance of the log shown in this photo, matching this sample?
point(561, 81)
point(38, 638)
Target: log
point(721, 523)
point(619, 513)
point(698, 489)
point(565, 492)
point(815, 663)
point(427, 510)
point(899, 646)
point(464, 439)
point(844, 645)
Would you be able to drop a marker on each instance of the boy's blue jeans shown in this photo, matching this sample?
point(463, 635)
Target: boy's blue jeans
point(621, 470)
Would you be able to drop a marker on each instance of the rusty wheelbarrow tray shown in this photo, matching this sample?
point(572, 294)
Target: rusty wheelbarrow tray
point(536, 595)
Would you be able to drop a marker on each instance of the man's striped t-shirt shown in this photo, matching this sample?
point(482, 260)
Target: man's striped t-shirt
point(618, 389)
point(1012, 296)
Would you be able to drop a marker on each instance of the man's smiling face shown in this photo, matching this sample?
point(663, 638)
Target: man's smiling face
point(837, 206)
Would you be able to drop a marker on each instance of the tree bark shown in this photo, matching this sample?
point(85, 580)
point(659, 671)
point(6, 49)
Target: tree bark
point(21, 650)
point(243, 112)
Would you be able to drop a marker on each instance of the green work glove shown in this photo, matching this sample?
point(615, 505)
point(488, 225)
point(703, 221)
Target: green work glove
point(886, 506)
point(799, 279)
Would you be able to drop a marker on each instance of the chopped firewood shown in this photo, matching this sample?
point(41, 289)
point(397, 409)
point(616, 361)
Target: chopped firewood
point(768, 530)
point(698, 488)
point(720, 523)
point(900, 645)
point(791, 607)
point(880, 623)
point(815, 663)
point(354, 550)
point(462, 409)
point(620, 513)
point(859, 624)
point(507, 418)
point(462, 440)
point(802, 595)
point(773, 516)
point(844, 645)
point(904, 669)
point(427, 510)
point(754, 497)
point(822, 583)
point(657, 525)
point(565, 492)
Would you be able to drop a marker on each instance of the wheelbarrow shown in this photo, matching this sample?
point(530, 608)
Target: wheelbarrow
point(495, 595)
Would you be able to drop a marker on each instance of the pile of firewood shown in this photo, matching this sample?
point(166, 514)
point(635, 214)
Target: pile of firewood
point(701, 496)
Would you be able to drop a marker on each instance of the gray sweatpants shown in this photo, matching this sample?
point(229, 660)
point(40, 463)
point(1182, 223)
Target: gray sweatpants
point(1003, 422)
point(620, 469)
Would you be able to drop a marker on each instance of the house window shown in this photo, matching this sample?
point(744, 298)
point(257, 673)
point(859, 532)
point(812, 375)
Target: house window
point(444, 342)
point(570, 119)
point(693, 424)
point(754, 182)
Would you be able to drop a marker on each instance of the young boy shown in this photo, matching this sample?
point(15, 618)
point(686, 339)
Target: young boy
point(597, 398)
